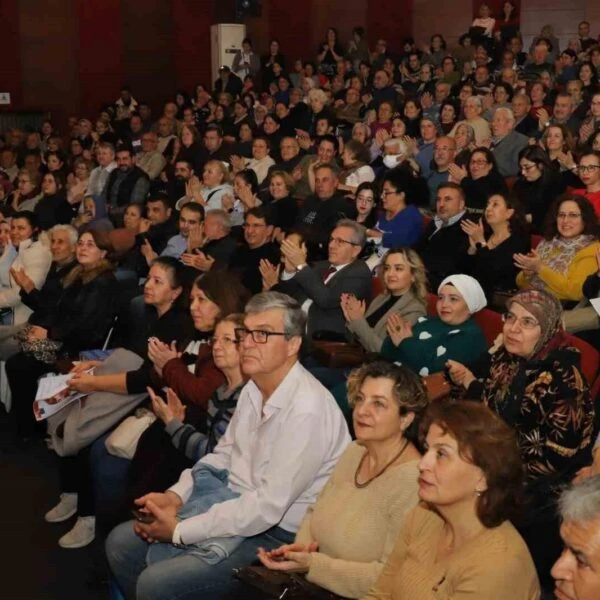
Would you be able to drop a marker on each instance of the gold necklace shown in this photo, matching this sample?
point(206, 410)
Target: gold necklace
point(389, 464)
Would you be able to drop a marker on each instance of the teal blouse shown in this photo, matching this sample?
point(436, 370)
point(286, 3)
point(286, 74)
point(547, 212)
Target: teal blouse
point(434, 342)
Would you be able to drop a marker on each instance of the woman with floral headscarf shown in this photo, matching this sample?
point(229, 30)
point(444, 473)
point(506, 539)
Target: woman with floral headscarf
point(534, 382)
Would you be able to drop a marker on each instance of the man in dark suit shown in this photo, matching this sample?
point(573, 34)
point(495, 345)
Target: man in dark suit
point(443, 246)
point(319, 288)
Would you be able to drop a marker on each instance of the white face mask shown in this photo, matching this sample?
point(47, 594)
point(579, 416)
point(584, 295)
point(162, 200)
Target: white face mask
point(391, 160)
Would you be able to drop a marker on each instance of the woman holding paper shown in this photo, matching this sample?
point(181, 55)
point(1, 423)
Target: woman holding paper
point(79, 320)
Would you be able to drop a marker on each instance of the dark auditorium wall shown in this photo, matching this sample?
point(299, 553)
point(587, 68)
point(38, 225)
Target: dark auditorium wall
point(70, 56)
point(301, 26)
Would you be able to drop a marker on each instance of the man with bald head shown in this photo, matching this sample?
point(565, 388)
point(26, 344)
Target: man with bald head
point(506, 142)
point(444, 152)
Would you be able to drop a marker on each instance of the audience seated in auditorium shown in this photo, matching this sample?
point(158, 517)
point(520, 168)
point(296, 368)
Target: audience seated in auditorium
point(376, 478)
point(319, 288)
point(452, 335)
point(493, 241)
point(464, 519)
point(265, 501)
point(79, 320)
point(566, 255)
point(445, 232)
point(537, 372)
point(579, 509)
point(405, 294)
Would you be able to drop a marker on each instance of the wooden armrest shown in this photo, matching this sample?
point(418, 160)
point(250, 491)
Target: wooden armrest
point(338, 354)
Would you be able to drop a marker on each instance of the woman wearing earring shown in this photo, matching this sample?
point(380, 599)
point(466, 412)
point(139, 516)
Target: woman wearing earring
point(375, 480)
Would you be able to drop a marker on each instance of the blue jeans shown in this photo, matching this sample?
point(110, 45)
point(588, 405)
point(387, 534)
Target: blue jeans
point(182, 578)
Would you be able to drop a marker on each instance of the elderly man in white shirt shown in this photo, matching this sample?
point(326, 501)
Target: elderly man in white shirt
point(99, 175)
point(285, 437)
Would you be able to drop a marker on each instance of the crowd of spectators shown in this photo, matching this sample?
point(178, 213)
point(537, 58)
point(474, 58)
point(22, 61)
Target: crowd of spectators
point(197, 271)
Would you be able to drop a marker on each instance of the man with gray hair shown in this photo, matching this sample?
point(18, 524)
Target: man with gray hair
point(506, 142)
point(283, 441)
point(319, 288)
point(577, 572)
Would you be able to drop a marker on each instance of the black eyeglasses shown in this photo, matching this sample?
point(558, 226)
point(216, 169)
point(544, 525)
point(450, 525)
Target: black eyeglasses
point(259, 336)
point(338, 241)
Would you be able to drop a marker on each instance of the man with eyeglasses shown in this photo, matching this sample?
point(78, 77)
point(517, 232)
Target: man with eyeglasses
point(589, 173)
point(283, 441)
point(320, 287)
point(245, 261)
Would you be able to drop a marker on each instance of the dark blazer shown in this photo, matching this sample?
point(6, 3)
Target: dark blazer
point(444, 251)
point(325, 313)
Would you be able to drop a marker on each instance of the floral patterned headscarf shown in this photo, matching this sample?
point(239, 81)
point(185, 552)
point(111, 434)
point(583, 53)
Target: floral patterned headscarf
point(547, 310)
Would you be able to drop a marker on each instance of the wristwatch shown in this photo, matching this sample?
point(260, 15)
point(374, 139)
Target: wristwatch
point(480, 245)
point(300, 267)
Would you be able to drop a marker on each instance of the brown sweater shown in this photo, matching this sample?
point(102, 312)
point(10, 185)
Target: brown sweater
point(494, 565)
point(356, 528)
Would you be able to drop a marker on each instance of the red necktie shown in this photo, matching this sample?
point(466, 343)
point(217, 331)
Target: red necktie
point(327, 273)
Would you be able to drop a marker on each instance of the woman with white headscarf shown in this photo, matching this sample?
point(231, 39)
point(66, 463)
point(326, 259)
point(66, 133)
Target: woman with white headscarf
point(426, 347)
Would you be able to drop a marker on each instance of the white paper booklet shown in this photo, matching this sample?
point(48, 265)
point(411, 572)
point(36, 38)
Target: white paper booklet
point(53, 394)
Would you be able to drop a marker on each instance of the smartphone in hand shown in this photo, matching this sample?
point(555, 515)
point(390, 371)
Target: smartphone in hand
point(143, 516)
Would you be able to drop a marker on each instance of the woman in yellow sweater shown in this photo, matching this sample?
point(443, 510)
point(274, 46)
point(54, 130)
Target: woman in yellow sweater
point(358, 515)
point(459, 543)
point(567, 255)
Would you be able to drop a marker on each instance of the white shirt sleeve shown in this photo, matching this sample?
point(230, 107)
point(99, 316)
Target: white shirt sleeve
point(296, 455)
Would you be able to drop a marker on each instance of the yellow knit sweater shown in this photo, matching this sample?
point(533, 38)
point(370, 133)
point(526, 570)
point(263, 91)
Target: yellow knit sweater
point(495, 565)
point(356, 528)
point(568, 286)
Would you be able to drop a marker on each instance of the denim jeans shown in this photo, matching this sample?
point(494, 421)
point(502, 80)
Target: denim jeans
point(182, 578)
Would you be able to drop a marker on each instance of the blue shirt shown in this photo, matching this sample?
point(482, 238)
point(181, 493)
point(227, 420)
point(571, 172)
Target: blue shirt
point(403, 230)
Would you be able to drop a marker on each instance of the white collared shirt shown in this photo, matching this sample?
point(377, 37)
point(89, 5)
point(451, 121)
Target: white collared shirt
point(99, 178)
point(279, 456)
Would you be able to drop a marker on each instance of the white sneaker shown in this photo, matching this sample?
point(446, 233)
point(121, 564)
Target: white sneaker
point(65, 509)
point(82, 534)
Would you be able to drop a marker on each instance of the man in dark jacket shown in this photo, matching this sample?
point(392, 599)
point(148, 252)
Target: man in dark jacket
point(443, 246)
point(321, 211)
point(228, 82)
point(127, 184)
point(245, 261)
